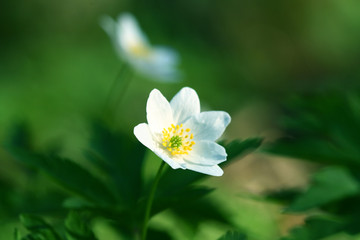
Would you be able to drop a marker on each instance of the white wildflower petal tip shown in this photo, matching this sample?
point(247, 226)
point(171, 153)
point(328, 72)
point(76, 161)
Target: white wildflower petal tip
point(185, 104)
point(210, 170)
point(206, 153)
point(182, 136)
point(158, 112)
point(209, 125)
point(143, 134)
point(109, 25)
point(129, 33)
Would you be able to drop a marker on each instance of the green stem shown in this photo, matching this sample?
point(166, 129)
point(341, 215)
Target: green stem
point(115, 83)
point(125, 87)
point(117, 91)
point(150, 201)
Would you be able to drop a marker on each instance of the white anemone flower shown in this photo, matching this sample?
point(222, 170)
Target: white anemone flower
point(131, 44)
point(181, 135)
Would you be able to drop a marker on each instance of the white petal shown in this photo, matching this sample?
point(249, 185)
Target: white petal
point(208, 125)
point(143, 134)
point(159, 113)
point(174, 163)
point(109, 25)
point(159, 65)
point(210, 170)
point(185, 104)
point(206, 153)
point(129, 33)
point(161, 73)
point(164, 56)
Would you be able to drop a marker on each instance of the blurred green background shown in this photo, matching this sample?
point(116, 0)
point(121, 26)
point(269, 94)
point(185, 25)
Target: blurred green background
point(246, 57)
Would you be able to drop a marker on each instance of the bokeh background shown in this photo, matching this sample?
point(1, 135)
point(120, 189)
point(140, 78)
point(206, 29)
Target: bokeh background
point(249, 58)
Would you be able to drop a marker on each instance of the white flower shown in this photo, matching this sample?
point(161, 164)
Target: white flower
point(132, 45)
point(182, 136)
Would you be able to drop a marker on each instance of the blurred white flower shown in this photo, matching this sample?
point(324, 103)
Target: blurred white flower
point(181, 135)
point(132, 45)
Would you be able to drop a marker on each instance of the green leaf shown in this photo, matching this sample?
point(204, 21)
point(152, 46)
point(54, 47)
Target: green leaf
point(20, 136)
point(66, 172)
point(176, 186)
point(313, 149)
point(158, 234)
point(78, 226)
point(284, 195)
point(314, 228)
point(38, 228)
point(185, 197)
point(237, 147)
point(121, 157)
point(342, 236)
point(17, 235)
point(231, 235)
point(321, 128)
point(70, 175)
point(202, 208)
point(330, 184)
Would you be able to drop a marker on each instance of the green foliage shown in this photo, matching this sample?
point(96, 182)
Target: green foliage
point(328, 185)
point(315, 228)
point(119, 194)
point(321, 128)
point(178, 180)
point(38, 228)
point(121, 158)
point(237, 148)
point(78, 226)
point(176, 188)
point(284, 196)
point(56, 67)
point(71, 176)
point(233, 236)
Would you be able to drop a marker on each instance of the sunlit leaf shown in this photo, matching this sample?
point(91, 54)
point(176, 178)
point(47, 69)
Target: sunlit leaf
point(231, 235)
point(17, 235)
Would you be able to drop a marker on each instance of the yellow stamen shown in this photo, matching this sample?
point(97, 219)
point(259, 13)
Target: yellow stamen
point(174, 141)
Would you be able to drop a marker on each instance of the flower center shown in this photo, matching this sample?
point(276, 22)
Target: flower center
point(177, 140)
point(140, 50)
